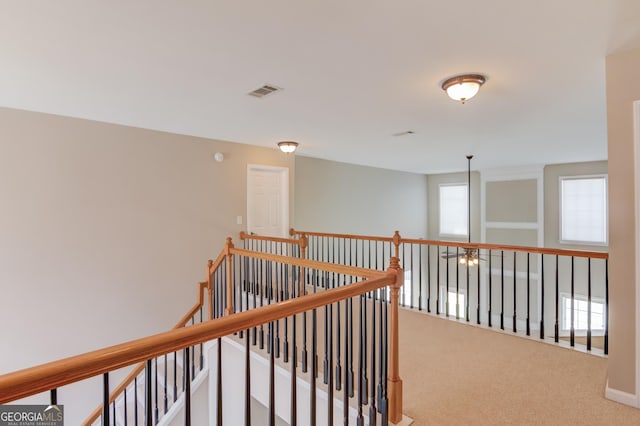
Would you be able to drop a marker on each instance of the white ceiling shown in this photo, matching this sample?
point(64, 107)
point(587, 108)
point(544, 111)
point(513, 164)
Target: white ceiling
point(354, 73)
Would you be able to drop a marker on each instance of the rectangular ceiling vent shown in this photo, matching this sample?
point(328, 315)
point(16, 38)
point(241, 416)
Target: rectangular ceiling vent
point(265, 90)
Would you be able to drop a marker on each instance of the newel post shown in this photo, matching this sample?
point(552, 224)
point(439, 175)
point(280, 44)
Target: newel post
point(396, 242)
point(229, 257)
point(394, 382)
point(210, 287)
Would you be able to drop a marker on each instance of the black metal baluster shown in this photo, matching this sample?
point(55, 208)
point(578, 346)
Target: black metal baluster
point(429, 278)
point(541, 296)
point(402, 289)
point(557, 330)
point(478, 290)
point(165, 396)
point(420, 277)
point(135, 401)
point(457, 283)
point(606, 302)
point(490, 280)
point(247, 382)
point(294, 374)
point(438, 280)
point(262, 283)
point(381, 349)
point(338, 362)
point(285, 349)
point(345, 394)
point(278, 298)
point(148, 413)
point(155, 394)
point(219, 384)
point(588, 303)
point(314, 367)
point(360, 417)
point(175, 377)
point(413, 290)
point(350, 383)
point(329, 368)
point(363, 332)
point(572, 337)
point(251, 273)
point(187, 388)
point(515, 302)
point(372, 392)
point(502, 290)
point(272, 380)
point(326, 367)
point(113, 407)
point(105, 399)
point(54, 396)
point(446, 291)
point(304, 328)
point(201, 345)
point(528, 295)
point(468, 297)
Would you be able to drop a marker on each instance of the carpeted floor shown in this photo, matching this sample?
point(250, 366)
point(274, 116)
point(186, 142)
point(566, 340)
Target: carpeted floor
point(474, 376)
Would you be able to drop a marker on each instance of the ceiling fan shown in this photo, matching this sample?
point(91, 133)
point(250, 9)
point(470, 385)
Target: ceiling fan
point(468, 256)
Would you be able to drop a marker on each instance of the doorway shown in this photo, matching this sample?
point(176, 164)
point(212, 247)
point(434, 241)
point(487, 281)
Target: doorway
point(267, 200)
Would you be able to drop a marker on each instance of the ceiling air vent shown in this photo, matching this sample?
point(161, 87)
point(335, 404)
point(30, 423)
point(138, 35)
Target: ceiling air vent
point(265, 90)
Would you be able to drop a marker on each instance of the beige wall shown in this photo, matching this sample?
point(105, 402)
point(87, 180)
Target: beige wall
point(623, 88)
point(552, 174)
point(433, 203)
point(345, 198)
point(105, 232)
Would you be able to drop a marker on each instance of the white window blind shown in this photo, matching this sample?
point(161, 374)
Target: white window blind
point(583, 210)
point(453, 209)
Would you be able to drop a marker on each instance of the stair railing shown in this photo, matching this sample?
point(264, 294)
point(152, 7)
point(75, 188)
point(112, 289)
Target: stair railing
point(517, 288)
point(369, 294)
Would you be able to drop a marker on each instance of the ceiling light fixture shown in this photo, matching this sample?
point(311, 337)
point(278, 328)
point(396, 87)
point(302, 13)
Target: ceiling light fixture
point(463, 87)
point(287, 146)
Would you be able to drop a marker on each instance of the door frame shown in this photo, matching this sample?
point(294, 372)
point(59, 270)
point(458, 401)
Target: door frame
point(284, 200)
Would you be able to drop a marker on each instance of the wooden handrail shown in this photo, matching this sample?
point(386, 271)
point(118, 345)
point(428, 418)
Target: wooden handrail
point(313, 264)
point(485, 246)
point(245, 236)
point(140, 367)
point(34, 380)
point(293, 232)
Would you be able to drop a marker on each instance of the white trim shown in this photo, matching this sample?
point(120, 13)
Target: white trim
point(621, 397)
point(512, 225)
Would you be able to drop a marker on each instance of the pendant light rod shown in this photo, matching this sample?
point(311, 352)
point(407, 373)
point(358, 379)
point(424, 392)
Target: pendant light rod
point(469, 157)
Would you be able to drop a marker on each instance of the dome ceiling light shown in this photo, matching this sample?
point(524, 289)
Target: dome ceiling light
point(287, 147)
point(463, 87)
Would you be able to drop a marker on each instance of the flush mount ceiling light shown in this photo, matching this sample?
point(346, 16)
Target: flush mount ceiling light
point(287, 146)
point(463, 87)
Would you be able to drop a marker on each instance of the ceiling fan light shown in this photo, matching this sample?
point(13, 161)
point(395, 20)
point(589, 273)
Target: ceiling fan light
point(287, 146)
point(463, 87)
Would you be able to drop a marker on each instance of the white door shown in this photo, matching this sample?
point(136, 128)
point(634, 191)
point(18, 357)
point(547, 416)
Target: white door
point(268, 200)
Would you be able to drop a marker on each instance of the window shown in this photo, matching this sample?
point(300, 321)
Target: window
point(583, 209)
point(453, 209)
point(581, 314)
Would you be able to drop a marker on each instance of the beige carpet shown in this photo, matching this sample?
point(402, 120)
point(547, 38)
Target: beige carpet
point(472, 376)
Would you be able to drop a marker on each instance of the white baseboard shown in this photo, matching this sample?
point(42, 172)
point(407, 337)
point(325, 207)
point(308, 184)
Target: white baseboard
point(621, 397)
